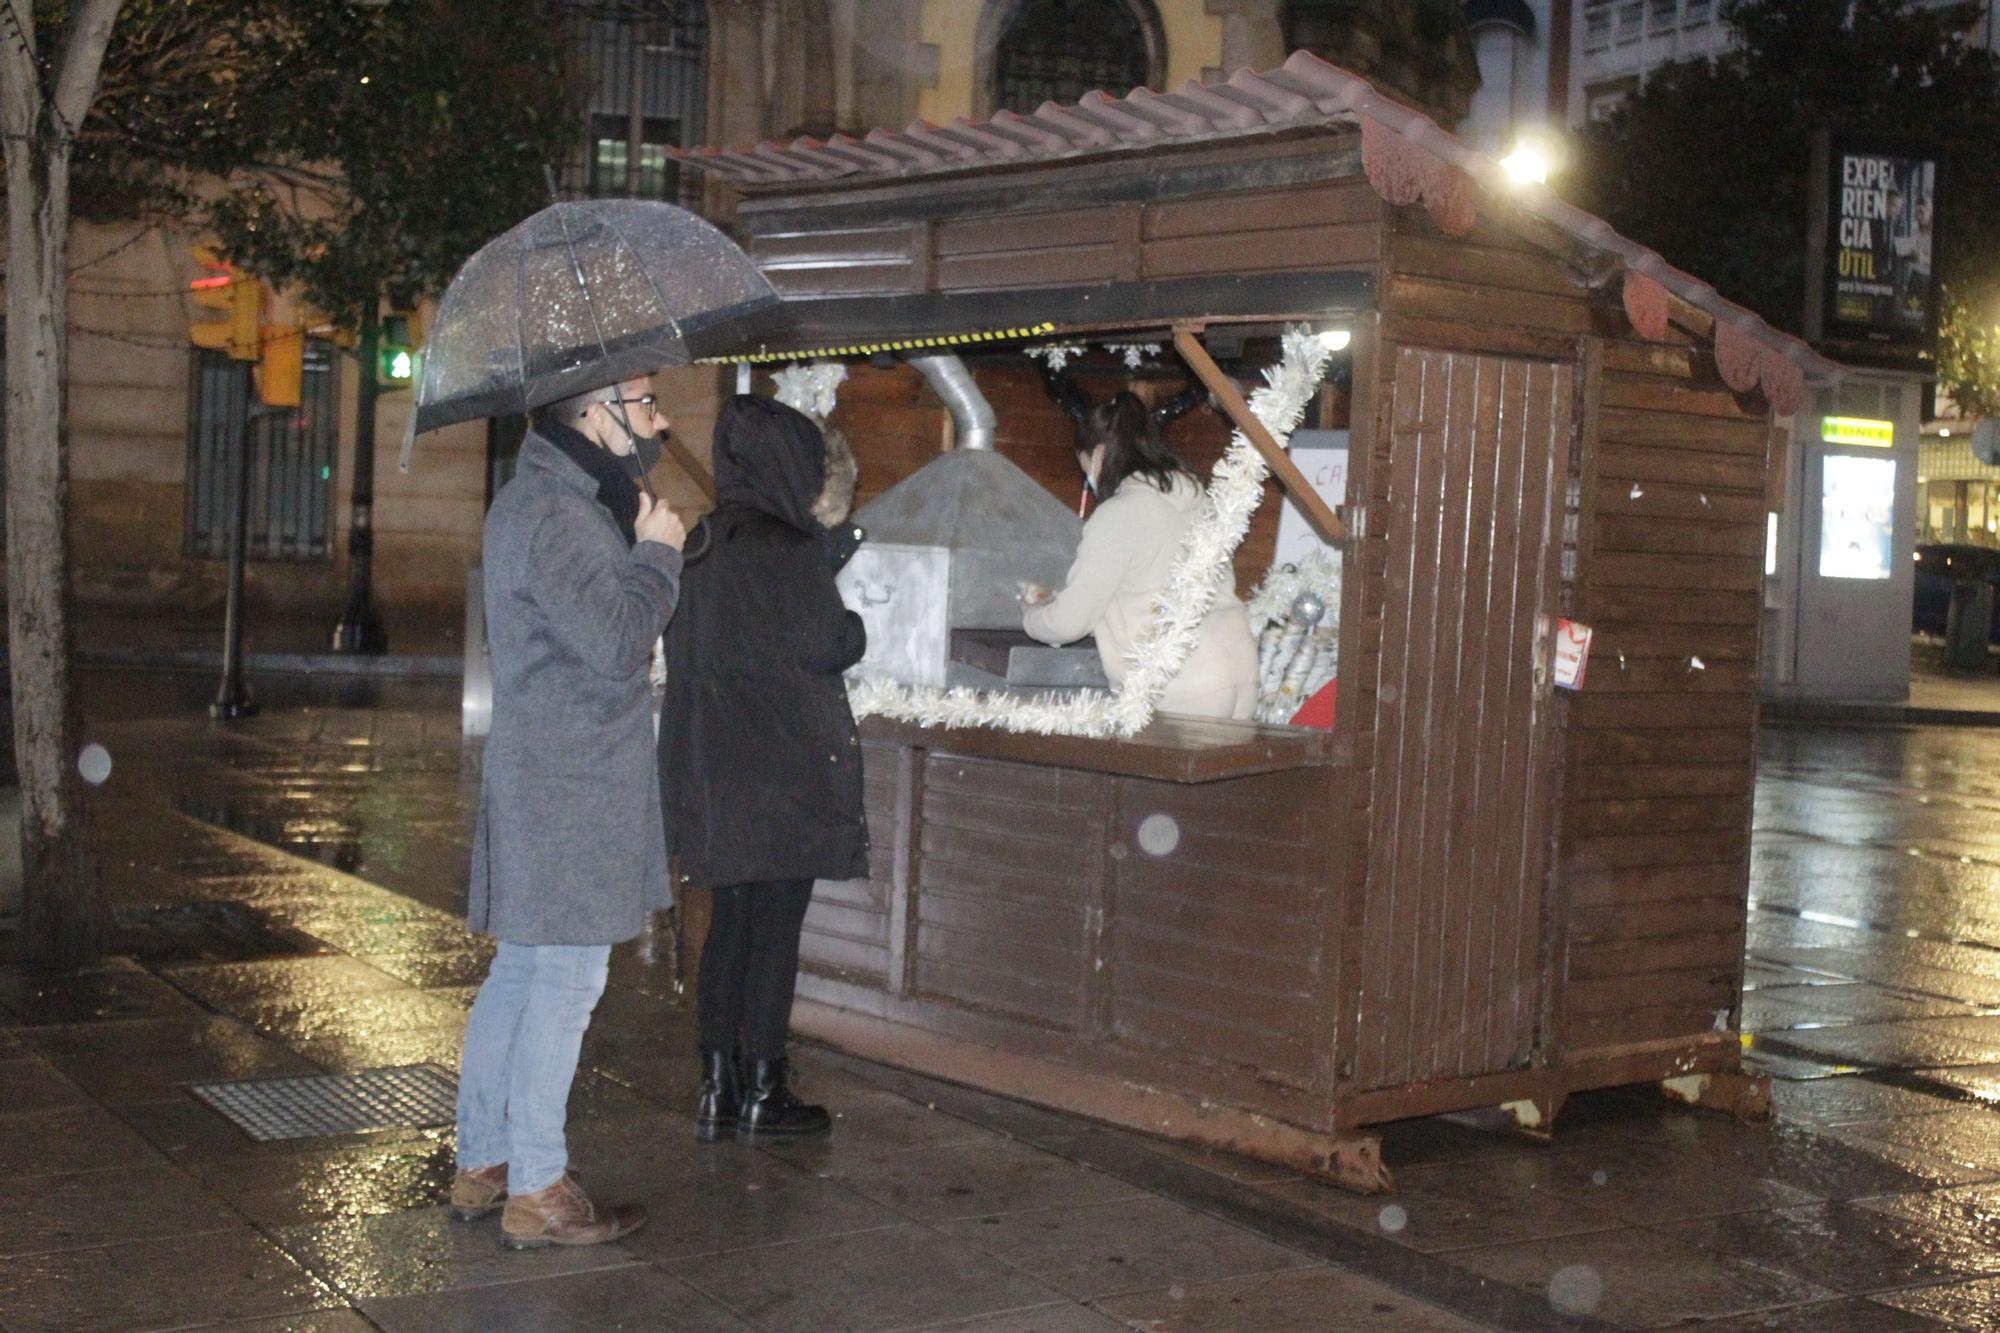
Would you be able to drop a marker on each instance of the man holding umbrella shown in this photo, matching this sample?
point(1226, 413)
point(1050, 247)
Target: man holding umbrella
point(582, 571)
point(566, 316)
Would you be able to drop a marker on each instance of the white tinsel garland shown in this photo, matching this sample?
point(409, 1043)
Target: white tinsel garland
point(810, 387)
point(1316, 572)
point(1200, 570)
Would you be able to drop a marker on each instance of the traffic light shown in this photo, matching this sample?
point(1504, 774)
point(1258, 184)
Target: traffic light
point(396, 347)
point(239, 301)
point(281, 369)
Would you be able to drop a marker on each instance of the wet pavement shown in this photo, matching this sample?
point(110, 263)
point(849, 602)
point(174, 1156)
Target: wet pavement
point(291, 886)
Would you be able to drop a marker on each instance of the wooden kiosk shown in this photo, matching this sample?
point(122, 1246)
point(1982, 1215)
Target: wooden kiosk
point(1478, 890)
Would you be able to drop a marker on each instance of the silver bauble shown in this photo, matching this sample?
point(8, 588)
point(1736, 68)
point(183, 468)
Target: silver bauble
point(1308, 608)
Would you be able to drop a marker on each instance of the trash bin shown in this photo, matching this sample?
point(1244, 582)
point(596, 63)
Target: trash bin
point(1968, 624)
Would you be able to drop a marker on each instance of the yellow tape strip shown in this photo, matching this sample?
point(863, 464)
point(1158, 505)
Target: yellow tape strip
point(1041, 330)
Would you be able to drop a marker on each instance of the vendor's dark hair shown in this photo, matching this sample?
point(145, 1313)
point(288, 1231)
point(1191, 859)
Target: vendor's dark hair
point(1132, 445)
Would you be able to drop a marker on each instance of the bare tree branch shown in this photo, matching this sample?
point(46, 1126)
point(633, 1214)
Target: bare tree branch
point(20, 76)
point(83, 59)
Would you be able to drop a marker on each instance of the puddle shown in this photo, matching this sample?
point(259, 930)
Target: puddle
point(326, 842)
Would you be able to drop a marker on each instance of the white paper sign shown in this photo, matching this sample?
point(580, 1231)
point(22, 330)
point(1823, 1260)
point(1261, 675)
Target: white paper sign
point(1572, 654)
point(1322, 456)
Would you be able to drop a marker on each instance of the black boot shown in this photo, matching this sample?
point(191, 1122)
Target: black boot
point(721, 1098)
point(769, 1109)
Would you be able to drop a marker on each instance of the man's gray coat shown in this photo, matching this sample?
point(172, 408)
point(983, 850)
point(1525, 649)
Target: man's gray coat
point(569, 847)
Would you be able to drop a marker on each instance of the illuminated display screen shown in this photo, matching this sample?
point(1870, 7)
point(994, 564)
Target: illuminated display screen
point(1857, 517)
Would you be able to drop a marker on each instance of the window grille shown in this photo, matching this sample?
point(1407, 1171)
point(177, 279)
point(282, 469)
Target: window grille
point(291, 459)
point(641, 71)
point(1058, 50)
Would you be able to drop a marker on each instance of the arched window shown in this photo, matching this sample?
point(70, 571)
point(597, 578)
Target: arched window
point(1036, 51)
point(642, 78)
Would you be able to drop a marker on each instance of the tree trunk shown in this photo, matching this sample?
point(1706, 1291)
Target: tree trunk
point(64, 917)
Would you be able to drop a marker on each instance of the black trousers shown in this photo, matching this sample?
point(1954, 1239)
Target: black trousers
point(750, 966)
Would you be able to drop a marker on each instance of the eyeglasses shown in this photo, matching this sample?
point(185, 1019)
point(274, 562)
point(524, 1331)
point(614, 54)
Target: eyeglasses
point(645, 400)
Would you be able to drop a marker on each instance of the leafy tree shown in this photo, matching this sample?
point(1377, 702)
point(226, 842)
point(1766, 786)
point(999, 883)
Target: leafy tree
point(1969, 357)
point(1709, 162)
point(420, 131)
point(346, 148)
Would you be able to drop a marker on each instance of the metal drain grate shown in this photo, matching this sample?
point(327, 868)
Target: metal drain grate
point(314, 1106)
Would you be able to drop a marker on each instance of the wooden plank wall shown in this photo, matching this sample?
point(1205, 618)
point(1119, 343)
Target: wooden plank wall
point(1465, 764)
point(1646, 931)
point(1027, 894)
point(1211, 946)
point(1655, 852)
point(1331, 225)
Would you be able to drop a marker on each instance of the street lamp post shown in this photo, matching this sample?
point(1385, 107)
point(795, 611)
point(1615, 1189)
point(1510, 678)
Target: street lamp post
point(359, 629)
point(232, 697)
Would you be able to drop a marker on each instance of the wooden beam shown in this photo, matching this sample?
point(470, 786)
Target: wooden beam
point(1316, 510)
point(691, 465)
point(1778, 457)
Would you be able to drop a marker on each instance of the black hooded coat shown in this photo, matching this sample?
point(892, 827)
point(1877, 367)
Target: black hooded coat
point(760, 765)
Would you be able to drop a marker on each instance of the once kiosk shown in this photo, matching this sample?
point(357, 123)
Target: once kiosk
point(1478, 890)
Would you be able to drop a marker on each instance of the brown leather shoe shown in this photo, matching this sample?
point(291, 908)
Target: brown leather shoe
point(563, 1214)
point(478, 1192)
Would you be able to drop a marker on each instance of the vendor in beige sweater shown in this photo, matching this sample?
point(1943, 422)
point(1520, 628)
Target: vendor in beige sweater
point(1147, 498)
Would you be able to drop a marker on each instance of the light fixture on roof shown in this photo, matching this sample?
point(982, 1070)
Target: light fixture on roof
point(1529, 161)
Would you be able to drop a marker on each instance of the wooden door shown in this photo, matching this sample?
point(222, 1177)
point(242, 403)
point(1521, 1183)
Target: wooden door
point(1470, 500)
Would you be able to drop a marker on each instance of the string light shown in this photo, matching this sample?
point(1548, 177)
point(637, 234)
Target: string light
point(886, 345)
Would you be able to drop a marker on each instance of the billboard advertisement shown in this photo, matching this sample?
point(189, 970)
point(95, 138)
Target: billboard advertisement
point(1879, 281)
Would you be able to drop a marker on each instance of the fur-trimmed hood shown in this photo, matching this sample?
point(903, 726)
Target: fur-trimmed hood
point(836, 497)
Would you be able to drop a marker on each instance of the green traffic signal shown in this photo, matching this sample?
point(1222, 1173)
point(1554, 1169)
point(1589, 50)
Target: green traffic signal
point(397, 365)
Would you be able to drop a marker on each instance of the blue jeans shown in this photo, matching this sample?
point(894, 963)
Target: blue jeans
point(521, 1047)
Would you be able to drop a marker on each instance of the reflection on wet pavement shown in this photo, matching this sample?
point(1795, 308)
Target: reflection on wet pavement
point(297, 881)
point(1874, 944)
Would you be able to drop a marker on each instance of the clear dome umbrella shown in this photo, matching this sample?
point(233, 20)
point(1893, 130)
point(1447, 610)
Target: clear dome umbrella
point(582, 295)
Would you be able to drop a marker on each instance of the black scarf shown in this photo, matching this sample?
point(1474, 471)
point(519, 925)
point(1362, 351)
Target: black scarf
point(616, 490)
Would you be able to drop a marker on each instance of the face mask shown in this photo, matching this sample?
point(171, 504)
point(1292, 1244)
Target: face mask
point(645, 455)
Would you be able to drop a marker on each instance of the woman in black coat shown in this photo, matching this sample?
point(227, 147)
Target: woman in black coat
point(760, 765)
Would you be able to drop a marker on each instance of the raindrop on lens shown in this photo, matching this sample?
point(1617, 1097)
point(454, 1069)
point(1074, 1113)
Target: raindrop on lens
point(93, 762)
point(1393, 1218)
point(1159, 835)
point(1577, 1289)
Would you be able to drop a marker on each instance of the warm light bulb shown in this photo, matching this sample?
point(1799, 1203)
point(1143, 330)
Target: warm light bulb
point(1335, 340)
point(1527, 163)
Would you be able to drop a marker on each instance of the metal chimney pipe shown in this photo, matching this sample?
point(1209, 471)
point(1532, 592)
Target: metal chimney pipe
point(972, 416)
